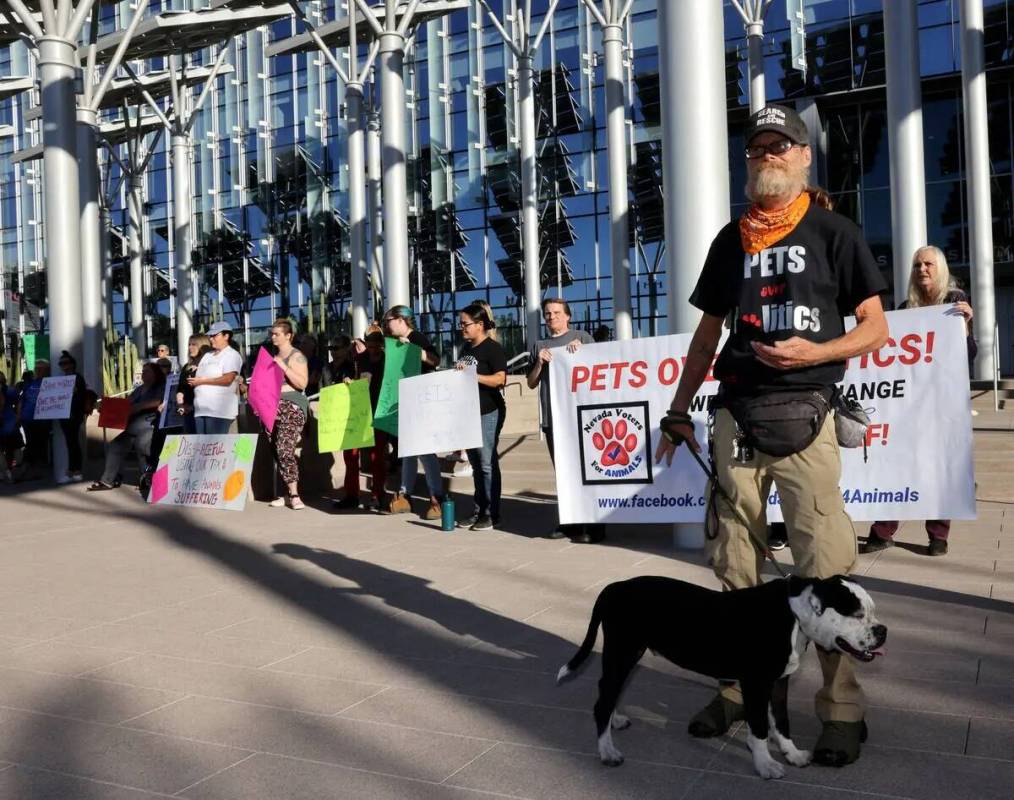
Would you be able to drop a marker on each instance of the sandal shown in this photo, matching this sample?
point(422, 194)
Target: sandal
point(715, 718)
point(839, 743)
point(99, 486)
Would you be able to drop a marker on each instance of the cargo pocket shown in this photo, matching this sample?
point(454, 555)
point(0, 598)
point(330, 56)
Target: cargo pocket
point(821, 536)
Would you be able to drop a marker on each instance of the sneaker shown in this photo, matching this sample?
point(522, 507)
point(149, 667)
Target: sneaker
point(467, 523)
point(777, 536)
point(557, 533)
point(278, 502)
point(937, 547)
point(462, 470)
point(590, 534)
point(75, 477)
point(348, 503)
point(874, 544)
point(63, 480)
point(295, 503)
point(400, 504)
point(433, 510)
point(482, 523)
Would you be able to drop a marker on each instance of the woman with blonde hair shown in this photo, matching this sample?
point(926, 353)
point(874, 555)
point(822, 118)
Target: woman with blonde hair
point(197, 346)
point(929, 284)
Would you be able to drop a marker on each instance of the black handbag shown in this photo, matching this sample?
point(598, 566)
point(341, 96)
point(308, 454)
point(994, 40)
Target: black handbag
point(782, 423)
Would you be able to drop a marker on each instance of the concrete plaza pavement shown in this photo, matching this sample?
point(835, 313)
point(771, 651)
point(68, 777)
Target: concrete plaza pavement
point(162, 652)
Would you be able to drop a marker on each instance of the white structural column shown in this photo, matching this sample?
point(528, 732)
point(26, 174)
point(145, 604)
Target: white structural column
point(695, 153)
point(135, 221)
point(182, 241)
point(752, 13)
point(392, 140)
point(529, 201)
point(695, 147)
point(619, 201)
point(92, 255)
point(980, 213)
point(357, 208)
point(904, 135)
point(375, 172)
point(57, 68)
point(612, 19)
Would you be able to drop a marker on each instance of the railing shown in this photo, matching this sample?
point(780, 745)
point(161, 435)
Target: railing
point(996, 367)
point(517, 364)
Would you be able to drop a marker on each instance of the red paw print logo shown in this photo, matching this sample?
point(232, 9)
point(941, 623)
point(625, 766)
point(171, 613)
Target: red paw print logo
point(614, 443)
point(752, 319)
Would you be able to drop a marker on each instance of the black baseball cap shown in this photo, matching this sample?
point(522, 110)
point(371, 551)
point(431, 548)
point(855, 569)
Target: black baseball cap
point(778, 119)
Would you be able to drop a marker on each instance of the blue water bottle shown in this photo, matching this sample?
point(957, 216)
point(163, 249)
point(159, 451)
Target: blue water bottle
point(447, 515)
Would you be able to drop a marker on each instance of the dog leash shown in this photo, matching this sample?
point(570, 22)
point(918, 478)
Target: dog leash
point(684, 419)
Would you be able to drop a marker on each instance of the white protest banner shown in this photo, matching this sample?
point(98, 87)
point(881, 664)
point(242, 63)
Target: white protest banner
point(55, 396)
point(170, 419)
point(607, 400)
point(438, 412)
point(208, 471)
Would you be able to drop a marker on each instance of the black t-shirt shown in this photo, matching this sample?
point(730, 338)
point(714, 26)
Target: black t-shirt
point(421, 341)
point(489, 358)
point(803, 285)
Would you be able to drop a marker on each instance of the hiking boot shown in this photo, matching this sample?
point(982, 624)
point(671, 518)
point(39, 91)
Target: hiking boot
point(838, 743)
point(400, 504)
point(874, 544)
point(715, 718)
point(937, 547)
point(433, 510)
point(348, 503)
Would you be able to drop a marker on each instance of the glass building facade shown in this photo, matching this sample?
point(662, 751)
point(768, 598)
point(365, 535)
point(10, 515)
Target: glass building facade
point(270, 179)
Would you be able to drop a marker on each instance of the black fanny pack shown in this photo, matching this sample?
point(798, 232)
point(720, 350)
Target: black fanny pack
point(782, 423)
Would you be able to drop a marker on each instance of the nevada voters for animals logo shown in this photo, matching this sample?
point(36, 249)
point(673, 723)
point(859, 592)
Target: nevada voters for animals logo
point(615, 445)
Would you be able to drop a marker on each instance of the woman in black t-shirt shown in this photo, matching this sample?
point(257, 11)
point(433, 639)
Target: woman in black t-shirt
point(490, 362)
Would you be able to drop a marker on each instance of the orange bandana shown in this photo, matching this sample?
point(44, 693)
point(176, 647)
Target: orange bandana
point(759, 228)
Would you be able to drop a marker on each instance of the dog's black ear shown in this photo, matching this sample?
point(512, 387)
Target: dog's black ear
point(796, 585)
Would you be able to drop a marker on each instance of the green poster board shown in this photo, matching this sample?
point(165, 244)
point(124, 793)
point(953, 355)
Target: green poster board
point(344, 417)
point(400, 361)
point(36, 347)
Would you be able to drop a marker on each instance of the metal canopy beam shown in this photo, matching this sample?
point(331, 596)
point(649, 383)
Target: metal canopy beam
point(157, 84)
point(173, 32)
point(336, 34)
point(9, 87)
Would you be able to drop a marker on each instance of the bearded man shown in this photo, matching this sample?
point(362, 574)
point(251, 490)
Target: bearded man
point(784, 276)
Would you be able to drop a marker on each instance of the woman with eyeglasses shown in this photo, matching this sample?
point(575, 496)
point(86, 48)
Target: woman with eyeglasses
point(197, 346)
point(490, 361)
point(929, 284)
point(400, 324)
point(72, 425)
point(216, 399)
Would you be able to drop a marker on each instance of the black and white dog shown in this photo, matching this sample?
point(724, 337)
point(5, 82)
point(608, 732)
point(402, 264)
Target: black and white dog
point(755, 636)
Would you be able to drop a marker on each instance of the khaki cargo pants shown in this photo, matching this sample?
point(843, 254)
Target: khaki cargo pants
point(821, 537)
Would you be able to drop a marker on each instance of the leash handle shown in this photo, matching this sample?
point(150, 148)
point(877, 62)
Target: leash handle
point(713, 477)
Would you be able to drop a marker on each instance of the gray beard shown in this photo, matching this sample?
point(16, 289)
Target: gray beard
point(774, 182)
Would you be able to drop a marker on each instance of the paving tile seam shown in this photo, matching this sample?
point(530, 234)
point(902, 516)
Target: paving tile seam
point(470, 762)
point(267, 667)
point(359, 702)
point(89, 779)
point(132, 656)
point(163, 707)
point(179, 792)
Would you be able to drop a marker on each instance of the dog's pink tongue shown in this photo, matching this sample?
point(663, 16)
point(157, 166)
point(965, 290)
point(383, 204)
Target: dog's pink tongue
point(878, 652)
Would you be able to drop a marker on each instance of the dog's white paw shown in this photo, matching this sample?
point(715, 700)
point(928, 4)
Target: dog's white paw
point(619, 721)
point(770, 769)
point(798, 758)
point(609, 754)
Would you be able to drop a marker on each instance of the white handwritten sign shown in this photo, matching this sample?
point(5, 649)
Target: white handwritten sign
point(55, 397)
point(209, 471)
point(438, 412)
